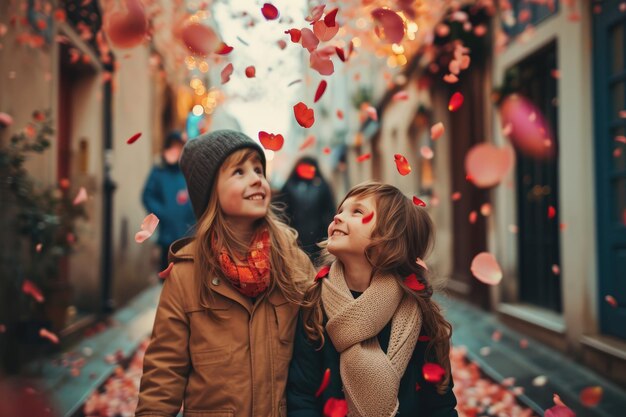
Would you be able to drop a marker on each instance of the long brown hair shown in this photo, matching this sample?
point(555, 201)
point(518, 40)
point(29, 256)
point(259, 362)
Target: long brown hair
point(403, 232)
point(213, 226)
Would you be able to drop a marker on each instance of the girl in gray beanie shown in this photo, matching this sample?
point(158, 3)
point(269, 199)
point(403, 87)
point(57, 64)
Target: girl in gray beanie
point(223, 334)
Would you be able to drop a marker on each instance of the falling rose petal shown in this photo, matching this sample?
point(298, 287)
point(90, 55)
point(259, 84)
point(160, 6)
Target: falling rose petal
point(371, 113)
point(126, 28)
point(80, 197)
point(456, 196)
point(540, 381)
point(486, 269)
point(321, 63)
point(487, 165)
point(426, 152)
point(450, 78)
point(281, 44)
point(551, 212)
point(38, 247)
point(47, 334)
point(269, 11)
point(402, 164)
point(324, 384)
point(224, 49)
point(530, 133)
point(271, 141)
point(250, 71)
point(591, 396)
point(5, 120)
point(508, 382)
point(496, 336)
point(454, 67)
point(339, 115)
point(226, 73)
point(324, 33)
point(29, 288)
point(340, 53)
point(611, 301)
point(418, 202)
point(555, 269)
point(437, 130)
point(485, 209)
point(433, 372)
point(523, 343)
point(166, 272)
point(390, 25)
point(326, 150)
point(400, 96)
point(316, 13)
point(366, 219)
point(148, 226)
point(456, 101)
point(330, 17)
point(309, 141)
point(295, 35)
point(202, 40)
point(363, 157)
point(306, 171)
point(335, 407)
point(304, 115)
point(322, 273)
point(473, 216)
point(133, 138)
point(320, 90)
point(559, 411)
point(413, 283)
point(309, 40)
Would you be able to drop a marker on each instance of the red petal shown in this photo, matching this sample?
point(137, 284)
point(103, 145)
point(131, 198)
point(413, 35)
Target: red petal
point(304, 115)
point(559, 411)
point(339, 115)
point(368, 218)
point(611, 301)
point(320, 90)
point(49, 335)
point(371, 113)
point(321, 63)
point(80, 197)
point(326, 150)
point(450, 78)
point(224, 49)
point(323, 272)
point(133, 138)
point(271, 141)
point(270, 12)
point(323, 32)
point(316, 13)
point(250, 71)
point(340, 54)
point(305, 171)
point(281, 44)
point(324, 384)
point(456, 101)
point(486, 269)
point(591, 396)
point(29, 288)
point(128, 27)
point(391, 25)
point(335, 407)
point(166, 272)
point(148, 226)
point(226, 73)
point(418, 202)
point(487, 165)
point(309, 141)
point(551, 212)
point(433, 372)
point(413, 283)
point(309, 40)
point(295, 35)
point(437, 130)
point(200, 39)
point(363, 157)
point(400, 96)
point(402, 164)
point(329, 19)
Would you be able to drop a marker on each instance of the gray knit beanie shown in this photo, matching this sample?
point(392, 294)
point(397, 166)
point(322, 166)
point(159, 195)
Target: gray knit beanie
point(202, 158)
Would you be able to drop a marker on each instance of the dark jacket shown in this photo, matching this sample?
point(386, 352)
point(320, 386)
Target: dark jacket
point(310, 207)
point(165, 195)
point(417, 397)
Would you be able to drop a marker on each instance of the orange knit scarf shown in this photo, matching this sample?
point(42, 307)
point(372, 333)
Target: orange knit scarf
point(253, 278)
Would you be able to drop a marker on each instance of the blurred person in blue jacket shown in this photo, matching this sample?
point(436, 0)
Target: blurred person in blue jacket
point(165, 195)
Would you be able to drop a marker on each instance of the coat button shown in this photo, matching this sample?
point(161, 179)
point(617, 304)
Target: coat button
point(216, 281)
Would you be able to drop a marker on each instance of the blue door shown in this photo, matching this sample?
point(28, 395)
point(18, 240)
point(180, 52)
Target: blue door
point(609, 48)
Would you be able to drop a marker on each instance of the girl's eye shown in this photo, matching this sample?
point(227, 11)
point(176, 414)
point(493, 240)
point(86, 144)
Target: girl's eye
point(358, 211)
point(238, 171)
point(258, 170)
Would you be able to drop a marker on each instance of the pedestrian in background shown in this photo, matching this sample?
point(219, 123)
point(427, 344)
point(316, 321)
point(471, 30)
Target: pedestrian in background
point(372, 332)
point(223, 334)
point(165, 194)
point(309, 204)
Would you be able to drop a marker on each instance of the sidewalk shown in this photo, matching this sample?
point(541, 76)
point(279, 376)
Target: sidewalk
point(508, 362)
point(505, 361)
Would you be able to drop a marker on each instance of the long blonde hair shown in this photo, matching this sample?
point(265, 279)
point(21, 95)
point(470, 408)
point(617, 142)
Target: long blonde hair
point(403, 233)
point(213, 230)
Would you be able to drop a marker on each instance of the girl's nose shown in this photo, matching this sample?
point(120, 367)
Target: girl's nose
point(337, 219)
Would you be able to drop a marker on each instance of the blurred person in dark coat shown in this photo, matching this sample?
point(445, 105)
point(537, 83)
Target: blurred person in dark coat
point(309, 204)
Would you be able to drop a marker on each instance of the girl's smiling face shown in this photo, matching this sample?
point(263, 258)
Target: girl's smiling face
point(243, 191)
point(347, 234)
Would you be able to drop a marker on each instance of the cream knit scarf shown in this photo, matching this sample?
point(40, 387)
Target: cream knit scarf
point(370, 377)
